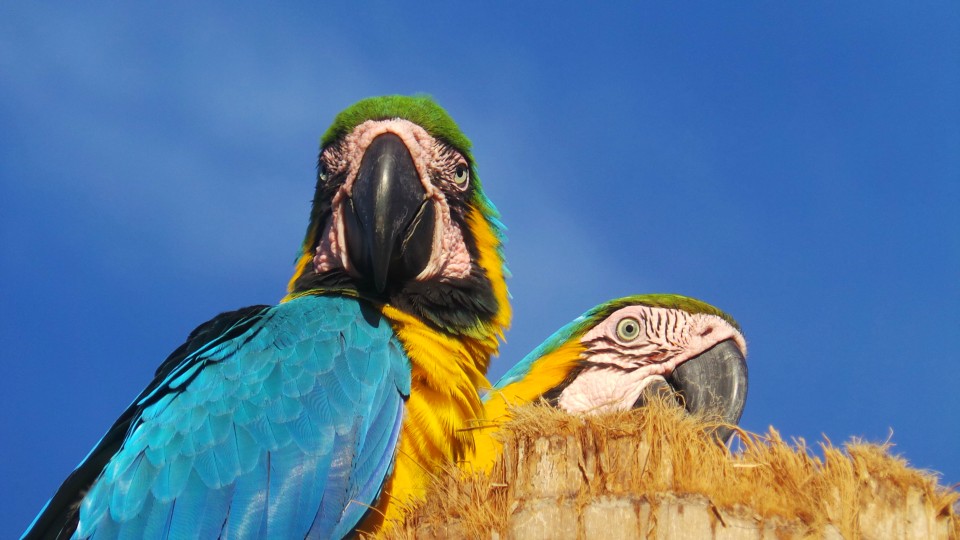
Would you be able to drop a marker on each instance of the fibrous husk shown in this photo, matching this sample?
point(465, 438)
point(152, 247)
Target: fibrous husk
point(656, 472)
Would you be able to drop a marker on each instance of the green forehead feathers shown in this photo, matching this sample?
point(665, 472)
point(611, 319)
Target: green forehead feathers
point(419, 109)
point(422, 110)
point(668, 301)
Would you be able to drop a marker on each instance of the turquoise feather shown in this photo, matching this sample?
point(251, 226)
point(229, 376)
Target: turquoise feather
point(276, 426)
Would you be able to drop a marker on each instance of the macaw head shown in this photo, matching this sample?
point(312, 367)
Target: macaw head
point(618, 353)
point(399, 216)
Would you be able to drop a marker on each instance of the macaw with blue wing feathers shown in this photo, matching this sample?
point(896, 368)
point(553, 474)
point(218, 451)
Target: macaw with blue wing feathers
point(325, 414)
point(616, 355)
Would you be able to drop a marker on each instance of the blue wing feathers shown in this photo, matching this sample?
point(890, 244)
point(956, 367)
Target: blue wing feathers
point(303, 509)
point(172, 478)
point(189, 508)
point(279, 421)
point(248, 451)
point(323, 355)
point(377, 461)
point(400, 374)
point(214, 513)
point(244, 412)
point(205, 465)
point(246, 515)
point(337, 485)
point(268, 436)
point(292, 372)
point(362, 367)
point(366, 475)
point(157, 523)
point(134, 485)
point(285, 488)
point(134, 527)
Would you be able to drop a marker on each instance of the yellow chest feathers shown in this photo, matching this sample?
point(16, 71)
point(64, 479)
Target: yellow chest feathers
point(443, 403)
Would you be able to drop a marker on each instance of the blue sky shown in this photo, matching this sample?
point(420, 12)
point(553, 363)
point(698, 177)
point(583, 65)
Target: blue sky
point(797, 166)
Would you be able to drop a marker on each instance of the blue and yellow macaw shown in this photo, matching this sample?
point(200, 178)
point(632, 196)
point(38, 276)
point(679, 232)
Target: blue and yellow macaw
point(613, 356)
point(324, 414)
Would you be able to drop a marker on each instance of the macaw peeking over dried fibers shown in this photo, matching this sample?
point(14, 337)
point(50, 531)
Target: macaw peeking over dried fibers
point(618, 353)
point(321, 415)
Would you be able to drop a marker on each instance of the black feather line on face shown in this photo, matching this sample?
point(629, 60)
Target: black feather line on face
point(606, 345)
point(552, 396)
point(600, 341)
point(639, 357)
point(605, 365)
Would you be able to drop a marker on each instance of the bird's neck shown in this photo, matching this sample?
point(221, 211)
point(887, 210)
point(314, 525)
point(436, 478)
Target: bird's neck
point(443, 405)
point(546, 374)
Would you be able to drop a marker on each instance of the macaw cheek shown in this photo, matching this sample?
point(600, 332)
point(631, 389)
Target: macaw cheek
point(714, 384)
point(656, 388)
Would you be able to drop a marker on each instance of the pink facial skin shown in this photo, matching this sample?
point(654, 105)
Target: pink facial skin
point(667, 338)
point(435, 162)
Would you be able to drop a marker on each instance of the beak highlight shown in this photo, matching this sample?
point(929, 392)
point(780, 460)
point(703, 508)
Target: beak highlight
point(715, 384)
point(389, 220)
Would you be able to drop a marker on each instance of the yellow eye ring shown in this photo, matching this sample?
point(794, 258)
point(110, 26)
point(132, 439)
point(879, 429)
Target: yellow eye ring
point(628, 329)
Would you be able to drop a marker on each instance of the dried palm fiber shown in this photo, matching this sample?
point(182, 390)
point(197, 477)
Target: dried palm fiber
point(657, 473)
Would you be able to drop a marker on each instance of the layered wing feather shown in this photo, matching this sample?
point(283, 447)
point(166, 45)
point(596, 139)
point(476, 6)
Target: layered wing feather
point(270, 421)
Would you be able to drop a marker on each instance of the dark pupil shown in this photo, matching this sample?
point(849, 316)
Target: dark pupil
point(629, 329)
point(461, 170)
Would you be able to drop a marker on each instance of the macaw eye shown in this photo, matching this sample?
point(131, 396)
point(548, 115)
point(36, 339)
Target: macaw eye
point(461, 175)
point(322, 174)
point(628, 329)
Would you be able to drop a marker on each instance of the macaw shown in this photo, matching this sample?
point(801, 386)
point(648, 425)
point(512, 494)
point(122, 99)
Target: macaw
point(618, 354)
point(324, 414)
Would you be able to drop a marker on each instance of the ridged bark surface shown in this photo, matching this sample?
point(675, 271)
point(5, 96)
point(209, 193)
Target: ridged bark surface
point(601, 479)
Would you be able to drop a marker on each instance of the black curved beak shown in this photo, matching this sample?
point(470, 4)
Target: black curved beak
point(389, 221)
point(713, 384)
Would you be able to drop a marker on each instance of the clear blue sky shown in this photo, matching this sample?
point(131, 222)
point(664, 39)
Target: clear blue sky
point(797, 166)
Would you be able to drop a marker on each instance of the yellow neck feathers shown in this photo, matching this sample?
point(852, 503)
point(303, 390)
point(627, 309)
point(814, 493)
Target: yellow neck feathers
point(545, 374)
point(491, 260)
point(443, 404)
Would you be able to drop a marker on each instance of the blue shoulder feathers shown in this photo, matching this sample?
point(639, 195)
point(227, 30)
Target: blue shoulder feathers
point(269, 421)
